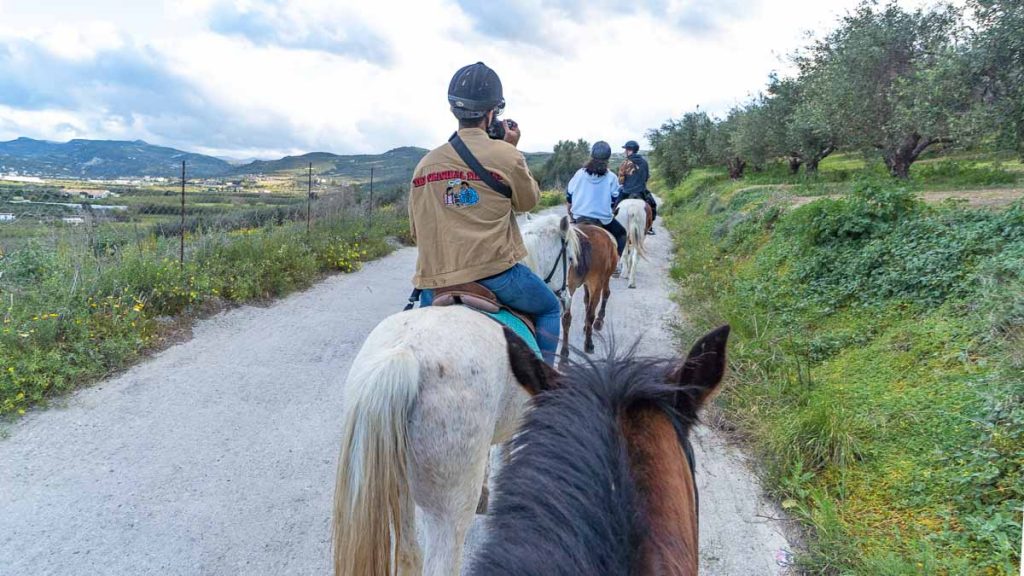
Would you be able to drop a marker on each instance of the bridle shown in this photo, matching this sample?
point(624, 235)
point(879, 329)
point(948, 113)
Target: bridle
point(691, 459)
point(562, 257)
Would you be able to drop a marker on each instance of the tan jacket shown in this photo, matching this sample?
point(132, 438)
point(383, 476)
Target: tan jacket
point(464, 230)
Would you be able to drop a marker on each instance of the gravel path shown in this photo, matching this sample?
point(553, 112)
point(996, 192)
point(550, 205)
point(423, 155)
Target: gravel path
point(217, 456)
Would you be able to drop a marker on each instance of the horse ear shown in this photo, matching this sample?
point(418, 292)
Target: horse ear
point(702, 371)
point(532, 373)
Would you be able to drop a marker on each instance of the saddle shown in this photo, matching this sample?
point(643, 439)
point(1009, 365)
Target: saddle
point(478, 297)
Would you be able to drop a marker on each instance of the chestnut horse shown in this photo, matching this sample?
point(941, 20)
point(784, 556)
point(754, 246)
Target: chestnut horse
point(590, 258)
point(601, 474)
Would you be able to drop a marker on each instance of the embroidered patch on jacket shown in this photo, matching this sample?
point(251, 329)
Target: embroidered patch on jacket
point(459, 194)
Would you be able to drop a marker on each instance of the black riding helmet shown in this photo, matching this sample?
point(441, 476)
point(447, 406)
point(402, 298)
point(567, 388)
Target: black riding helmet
point(474, 91)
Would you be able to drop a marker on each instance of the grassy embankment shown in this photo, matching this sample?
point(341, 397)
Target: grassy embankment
point(72, 312)
point(878, 357)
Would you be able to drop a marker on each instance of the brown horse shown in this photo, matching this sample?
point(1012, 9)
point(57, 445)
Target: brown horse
point(601, 475)
point(593, 271)
point(589, 260)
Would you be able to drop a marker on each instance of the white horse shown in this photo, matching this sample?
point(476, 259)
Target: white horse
point(430, 391)
point(633, 215)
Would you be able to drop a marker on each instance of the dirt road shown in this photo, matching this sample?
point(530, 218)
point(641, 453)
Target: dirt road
point(217, 456)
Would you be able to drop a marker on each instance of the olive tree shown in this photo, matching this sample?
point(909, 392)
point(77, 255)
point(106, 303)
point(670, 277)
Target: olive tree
point(679, 146)
point(889, 80)
point(568, 157)
point(998, 59)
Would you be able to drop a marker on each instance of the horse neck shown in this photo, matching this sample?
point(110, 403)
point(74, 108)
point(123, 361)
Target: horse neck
point(666, 490)
point(543, 253)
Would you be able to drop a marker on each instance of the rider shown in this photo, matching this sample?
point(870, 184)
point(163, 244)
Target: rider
point(591, 192)
point(633, 175)
point(466, 230)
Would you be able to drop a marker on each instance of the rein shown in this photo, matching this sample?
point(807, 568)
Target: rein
point(562, 257)
point(691, 460)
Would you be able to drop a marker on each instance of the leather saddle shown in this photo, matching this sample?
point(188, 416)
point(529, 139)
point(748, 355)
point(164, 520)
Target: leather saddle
point(477, 297)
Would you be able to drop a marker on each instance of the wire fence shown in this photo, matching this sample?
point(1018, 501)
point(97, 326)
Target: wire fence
point(93, 273)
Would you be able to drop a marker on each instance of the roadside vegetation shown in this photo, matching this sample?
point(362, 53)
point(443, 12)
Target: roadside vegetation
point(861, 226)
point(878, 361)
point(74, 308)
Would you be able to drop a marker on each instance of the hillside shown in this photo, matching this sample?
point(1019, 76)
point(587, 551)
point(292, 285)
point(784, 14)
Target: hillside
point(103, 159)
point(108, 159)
point(390, 168)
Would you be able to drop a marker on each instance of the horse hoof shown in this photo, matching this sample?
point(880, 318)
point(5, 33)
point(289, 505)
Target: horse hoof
point(589, 348)
point(598, 324)
point(632, 285)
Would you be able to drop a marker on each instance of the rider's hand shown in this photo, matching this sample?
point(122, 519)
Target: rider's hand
point(512, 133)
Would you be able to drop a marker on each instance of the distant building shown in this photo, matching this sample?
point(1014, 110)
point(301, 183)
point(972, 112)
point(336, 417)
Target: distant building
point(7, 217)
point(90, 193)
point(75, 220)
point(25, 179)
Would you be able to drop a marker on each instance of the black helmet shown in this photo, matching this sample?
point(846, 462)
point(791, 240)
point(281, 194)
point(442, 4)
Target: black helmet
point(601, 150)
point(631, 145)
point(474, 91)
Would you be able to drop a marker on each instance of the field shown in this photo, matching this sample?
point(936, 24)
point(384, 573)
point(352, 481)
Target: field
point(81, 299)
point(878, 363)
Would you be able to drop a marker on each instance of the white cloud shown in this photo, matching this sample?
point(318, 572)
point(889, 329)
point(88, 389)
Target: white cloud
point(267, 77)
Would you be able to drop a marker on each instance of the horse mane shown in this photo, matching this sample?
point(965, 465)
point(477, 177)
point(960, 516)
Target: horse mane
point(542, 236)
point(567, 503)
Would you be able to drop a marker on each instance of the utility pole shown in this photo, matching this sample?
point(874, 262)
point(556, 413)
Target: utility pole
point(309, 197)
point(181, 250)
point(369, 220)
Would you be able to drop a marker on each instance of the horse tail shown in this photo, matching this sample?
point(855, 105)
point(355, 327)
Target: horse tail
point(636, 228)
point(372, 474)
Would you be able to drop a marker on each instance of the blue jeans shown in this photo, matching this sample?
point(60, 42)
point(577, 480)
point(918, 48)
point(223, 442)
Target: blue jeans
point(522, 290)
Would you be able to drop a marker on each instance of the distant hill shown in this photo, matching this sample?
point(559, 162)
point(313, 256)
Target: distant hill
point(108, 159)
point(103, 159)
point(390, 168)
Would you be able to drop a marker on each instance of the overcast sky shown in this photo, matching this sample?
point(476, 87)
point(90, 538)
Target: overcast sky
point(263, 78)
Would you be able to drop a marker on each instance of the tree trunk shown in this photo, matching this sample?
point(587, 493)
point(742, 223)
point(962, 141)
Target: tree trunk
point(899, 158)
point(794, 164)
point(812, 163)
point(736, 166)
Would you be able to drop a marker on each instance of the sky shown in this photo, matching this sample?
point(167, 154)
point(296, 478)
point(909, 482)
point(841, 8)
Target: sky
point(266, 78)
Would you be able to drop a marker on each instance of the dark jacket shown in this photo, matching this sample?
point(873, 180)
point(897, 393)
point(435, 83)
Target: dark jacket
point(636, 183)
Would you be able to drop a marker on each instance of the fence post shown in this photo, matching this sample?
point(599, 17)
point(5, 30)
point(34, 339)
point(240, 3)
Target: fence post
point(369, 219)
point(181, 249)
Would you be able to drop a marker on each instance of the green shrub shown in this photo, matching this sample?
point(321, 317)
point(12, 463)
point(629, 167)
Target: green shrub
point(71, 314)
point(877, 364)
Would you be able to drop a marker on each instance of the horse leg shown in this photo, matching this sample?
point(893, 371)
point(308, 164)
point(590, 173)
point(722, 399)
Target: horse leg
point(566, 324)
point(448, 505)
point(604, 304)
point(588, 326)
point(634, 258)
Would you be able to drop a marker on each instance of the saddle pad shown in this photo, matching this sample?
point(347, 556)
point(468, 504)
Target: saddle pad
point(516, 325)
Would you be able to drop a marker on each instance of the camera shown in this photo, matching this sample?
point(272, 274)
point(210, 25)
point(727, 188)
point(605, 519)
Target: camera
point(498, 128)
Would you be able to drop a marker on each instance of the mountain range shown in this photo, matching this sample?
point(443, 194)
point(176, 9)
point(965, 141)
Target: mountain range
point(108, 159)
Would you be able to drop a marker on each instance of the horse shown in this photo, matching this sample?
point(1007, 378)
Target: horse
point(590, 258)
point(635, 216)
point(428, 394)
point(601, 474)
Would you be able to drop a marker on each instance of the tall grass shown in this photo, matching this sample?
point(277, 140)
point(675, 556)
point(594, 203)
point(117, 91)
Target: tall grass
point(876, 364)
point(72, 313)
